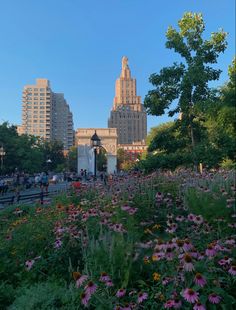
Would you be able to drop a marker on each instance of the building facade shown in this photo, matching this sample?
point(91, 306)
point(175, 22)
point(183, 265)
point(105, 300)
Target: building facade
point(62, 128)
point(128, 114)
point(46, 114)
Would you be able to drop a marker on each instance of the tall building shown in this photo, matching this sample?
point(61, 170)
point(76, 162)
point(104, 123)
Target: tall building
point(46, 114)
point(128, 114)
point(62, 121)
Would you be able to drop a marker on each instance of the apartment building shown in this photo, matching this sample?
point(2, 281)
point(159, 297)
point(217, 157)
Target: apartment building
point(46, 114)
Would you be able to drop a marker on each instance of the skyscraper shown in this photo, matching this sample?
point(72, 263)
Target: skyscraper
point(46, 114)
point(128, 114)
point(62, 121)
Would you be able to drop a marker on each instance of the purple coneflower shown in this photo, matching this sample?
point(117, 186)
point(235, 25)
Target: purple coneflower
point(232, 270)
point(109, 283)
point(198, 219)
point(90, 288)
point(190, 295)
point(29, 263)
point(214, 299)
point(210, 251)
point(188, 265)
point(169, 304)
point(121, 292)
point(80, 280)
point(177, 303)
point(142, 297)
point(57, 244)
point(200, 280)
point(85, 298)
point(104, 277)
point(199, 306)
point(191, 217)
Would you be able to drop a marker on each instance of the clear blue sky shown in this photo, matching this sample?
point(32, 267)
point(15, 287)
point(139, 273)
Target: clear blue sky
point(78, 46)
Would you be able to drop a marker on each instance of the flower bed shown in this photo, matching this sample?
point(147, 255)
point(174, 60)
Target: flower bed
point(150, 242)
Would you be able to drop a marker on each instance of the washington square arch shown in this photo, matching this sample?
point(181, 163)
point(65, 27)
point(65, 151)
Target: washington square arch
point(108, 138)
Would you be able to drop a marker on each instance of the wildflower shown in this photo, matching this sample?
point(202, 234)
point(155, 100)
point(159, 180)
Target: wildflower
point(198, 220)
point(121, 292)
point(214, 299)
point(200, 280)
point(146, 260)
point(177, 303)
point(85, 298)
point(90, 288)
point(187, 245)
point(199, 306)
point(57, 244)
point(104, 277)
point(156, 276)
point(224, 261)
point(155, 257)
point(142, 297)
point(190, 295)
point(232, 270)
point(109, 283)
point(191, 217)
point(79, 278)
point(188, 265)
point(210, 251)
point(169, 304)
point(29, 263)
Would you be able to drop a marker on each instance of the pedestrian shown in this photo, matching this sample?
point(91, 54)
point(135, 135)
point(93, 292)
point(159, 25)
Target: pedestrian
point(44, 182)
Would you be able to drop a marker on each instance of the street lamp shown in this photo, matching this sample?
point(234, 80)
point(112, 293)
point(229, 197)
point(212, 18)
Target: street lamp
point(95, 143)
point(2, 154)
point(48, 161)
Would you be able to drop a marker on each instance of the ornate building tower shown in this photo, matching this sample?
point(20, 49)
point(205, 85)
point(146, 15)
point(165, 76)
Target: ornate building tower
point(128, 114)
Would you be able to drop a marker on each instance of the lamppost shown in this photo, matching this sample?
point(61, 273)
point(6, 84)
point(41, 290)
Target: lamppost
point(2, 154)
point(48, 161)
point(95, 143)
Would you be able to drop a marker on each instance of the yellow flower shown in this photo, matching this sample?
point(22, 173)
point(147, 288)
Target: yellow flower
point(157, 226)
point(155, 257)
point(156, 276)
point(162, 297)
point(146, 260)
point(147, 231)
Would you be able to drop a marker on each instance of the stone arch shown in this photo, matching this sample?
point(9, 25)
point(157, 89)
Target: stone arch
point(108, 138)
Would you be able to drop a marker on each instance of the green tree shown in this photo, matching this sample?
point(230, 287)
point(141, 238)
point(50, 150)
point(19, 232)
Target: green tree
point(186, 84)
point(72, 158)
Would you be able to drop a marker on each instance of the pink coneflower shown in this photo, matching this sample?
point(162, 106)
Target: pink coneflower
point(214, 299)
point(179, 218)
point(81, 280)
point(187, 245)
point(104, 277)
point(109, 283)
point(188, 265)
point(85, 298)
point(199, 306)
point(198, 220)
point(169, 304)
point(177, 303)
point(57, 244)
point(210, 251)
point(142, 297)
point(121, 292)
point(190, 295)
point(132, 211)
point(232, 270)
point(90, 288)
point(200, 280)
point(29, 263)
point(191, 217)
point(225, 261)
